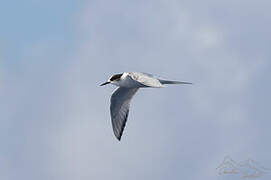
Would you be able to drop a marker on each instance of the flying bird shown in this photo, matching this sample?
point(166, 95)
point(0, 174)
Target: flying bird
point(129, 83)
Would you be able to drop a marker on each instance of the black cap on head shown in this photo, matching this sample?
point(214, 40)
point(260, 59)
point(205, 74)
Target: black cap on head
point(115, 77)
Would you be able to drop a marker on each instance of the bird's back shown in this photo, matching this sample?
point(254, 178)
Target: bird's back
point(146, 80)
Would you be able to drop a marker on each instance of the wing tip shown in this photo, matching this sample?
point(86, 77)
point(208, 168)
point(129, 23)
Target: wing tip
point(117, 133)
point(118, 136)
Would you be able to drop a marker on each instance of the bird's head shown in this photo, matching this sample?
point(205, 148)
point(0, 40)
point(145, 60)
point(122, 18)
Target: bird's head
point(113, 80)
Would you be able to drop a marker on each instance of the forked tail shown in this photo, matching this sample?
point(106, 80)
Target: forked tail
point(173, 82)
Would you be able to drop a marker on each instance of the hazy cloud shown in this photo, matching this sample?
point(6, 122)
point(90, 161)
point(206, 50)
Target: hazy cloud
point(56, 122)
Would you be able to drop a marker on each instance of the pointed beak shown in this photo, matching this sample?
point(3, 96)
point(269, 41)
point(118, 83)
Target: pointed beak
point(105, 83)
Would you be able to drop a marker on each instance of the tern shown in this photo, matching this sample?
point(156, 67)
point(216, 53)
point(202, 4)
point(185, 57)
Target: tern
point(129, 83)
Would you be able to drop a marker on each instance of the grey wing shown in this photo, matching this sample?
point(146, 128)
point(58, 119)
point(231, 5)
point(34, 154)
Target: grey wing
point(119, 109)
point(145, 79)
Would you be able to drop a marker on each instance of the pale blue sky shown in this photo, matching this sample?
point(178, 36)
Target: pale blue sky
point(55, 121)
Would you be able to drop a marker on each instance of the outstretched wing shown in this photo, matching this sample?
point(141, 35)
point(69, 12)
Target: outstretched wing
point(145, 79)
point(119, 108)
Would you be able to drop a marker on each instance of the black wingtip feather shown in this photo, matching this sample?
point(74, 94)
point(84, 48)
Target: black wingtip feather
point(123, 126)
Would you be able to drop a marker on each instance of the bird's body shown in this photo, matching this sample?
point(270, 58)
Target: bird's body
point(129, 83)
point(137, 80)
